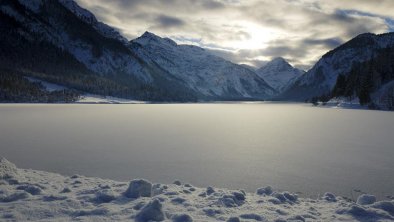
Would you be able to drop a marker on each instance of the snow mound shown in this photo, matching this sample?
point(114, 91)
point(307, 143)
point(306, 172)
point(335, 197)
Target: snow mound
point(105, 196)
point(151, 212)
point(31, 189)
point(210, 190)
point(386, 206)
point(362, 213)
point(19, 195)
point(264, 191)
point(251, 216)
point(139, 188)
point(233, 200)
point(182, 218)
point(366, 199)
point(233, 219)
point(7, 169)
point(329, 197)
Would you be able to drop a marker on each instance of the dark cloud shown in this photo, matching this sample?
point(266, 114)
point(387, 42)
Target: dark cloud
point(165, 21)
point(328, 43)
point(212, 4)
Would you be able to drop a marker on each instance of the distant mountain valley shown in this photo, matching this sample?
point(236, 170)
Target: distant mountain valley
point(61, 43)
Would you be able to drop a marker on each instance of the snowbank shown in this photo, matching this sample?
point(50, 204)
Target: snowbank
point(92, 98)
point(343, 103)
point(36, 196)
point(85, 97)
point(50, 87)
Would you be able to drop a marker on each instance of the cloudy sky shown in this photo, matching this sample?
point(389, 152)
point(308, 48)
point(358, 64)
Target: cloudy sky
point(250, 31)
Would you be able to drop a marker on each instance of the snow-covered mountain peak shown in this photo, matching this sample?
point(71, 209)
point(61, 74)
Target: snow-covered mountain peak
point(279, 60)
point(149, 35)
point(278, 64)
point(151, 38)
point(279, 73)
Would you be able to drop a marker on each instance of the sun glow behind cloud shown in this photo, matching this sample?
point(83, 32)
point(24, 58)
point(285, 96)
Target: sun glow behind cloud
point(254, 37)
point(252, 31)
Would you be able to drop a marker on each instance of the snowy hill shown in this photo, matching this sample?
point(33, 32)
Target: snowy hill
point(278, 73)
point(201, 71)
point(322, 78)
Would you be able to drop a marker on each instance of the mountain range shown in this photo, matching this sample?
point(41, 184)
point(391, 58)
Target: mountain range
point(60, 42)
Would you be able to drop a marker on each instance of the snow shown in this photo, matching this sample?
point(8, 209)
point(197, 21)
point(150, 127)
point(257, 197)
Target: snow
point(151, 212)
point(49, 29)
point(264, 190)
point(366, 199)
point(321, 78)
point(32, 195)
point(342, 103)
point(93, 99)
point(86, 98)
point(279, 73)
point(199, 69)
point(139, 188)
point(51, 87)
point(89, 18)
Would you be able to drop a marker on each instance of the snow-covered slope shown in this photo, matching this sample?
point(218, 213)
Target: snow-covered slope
point(30, 195)
point(205, 73)
point(67, 26)
point(278, 73)
point(89, 18)
point(322, 77)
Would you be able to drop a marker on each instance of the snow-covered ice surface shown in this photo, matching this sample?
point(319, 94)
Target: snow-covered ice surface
point(295, 147)
point(30, 195)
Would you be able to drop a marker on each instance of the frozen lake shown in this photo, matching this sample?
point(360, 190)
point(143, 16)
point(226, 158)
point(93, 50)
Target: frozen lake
point(292, 147)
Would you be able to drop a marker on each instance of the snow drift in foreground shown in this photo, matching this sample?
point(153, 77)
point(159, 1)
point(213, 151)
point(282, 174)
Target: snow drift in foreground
point(36, 195)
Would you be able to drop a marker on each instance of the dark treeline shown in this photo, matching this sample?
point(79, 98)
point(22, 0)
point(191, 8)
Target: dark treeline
point(15, 88)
